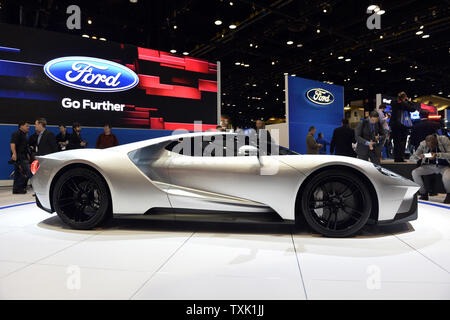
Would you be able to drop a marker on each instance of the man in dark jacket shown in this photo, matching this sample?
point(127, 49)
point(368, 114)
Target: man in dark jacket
point(341, 142)
point(46, 141)
point(62, 138)
point(369, 135)
point(422, 129)
point(75, 139)
point(398, 127)
point(20, 158)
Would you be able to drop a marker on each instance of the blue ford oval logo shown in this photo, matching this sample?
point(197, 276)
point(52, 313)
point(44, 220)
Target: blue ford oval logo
point(91, 74)
point(320, 96)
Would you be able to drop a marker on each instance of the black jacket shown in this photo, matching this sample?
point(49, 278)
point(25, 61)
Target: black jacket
point(47, 144)
point(341, 142)
point(74, 141)
point(421, 130)
point(397, 108)
point(363, 133)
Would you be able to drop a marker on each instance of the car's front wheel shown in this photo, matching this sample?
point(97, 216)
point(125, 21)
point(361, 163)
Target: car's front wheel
point(336, 203)
point(80, 198)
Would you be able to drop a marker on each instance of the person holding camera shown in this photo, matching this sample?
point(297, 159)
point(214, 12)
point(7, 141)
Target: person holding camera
point(369, 136)
point(20, 158)
point(432, 156)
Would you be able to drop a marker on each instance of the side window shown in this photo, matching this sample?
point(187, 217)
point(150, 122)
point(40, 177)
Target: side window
point(205, 146)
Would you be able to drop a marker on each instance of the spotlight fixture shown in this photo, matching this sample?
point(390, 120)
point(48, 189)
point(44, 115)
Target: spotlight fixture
point(273, 62)
point(102, 39)
point(237, 63)
point(299, 45)
point(377, 69)
point(340, 57)
point(231, 3)
point(384, 70)
point(218, 22)
point(85, 36)
point(318, 30)
point(290, 42)
point(425, 36)
point(421, 27)
point(381, 37)
point(419, 32)
point(348, 59)
point(310, 60)
point(89, 21)
point(232, 26)
point(94, 37)
point(175, 27)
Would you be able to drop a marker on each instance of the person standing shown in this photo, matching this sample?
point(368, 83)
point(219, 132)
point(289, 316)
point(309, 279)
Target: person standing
point(342, 140)
point(62, 138)
point(384, 125)
point(75, 139)
point(20, 158)
point(369, 135)
point(432, 155)
point(323, 142)
point(107, 139)
point(46, 141)
point(400, 123)
point(312, 147)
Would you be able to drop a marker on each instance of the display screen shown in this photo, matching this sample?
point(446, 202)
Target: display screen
point(96, 82)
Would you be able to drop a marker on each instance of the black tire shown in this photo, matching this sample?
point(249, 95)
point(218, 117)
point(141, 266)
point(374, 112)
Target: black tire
point(81, 199)
point(336, 203)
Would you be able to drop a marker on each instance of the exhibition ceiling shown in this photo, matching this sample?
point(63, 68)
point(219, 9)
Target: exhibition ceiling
point(258, 41)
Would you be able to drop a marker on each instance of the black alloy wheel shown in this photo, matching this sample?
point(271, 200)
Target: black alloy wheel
point(336, 203)
point(81, 199)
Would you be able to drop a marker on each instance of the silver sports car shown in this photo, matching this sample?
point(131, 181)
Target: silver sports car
point(216, 173)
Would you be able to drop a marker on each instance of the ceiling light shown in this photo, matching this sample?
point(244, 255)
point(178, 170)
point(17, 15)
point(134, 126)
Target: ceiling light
point(289, 42)
point(389, 57)
point(361, 89)
point(310, 60)
point(377, 69)
point(231, 3)
point(370, 50)
point(381, 37)
point(299, 45)
point(237, 63)
point(85, 36)
point(425, 36)
point(408, 78)
point(89, 21)
point(318, 30)
point(102, 39)
point(232, 26)
point(173, 51)
point(355, 88)
point(185, 53)
point(384, 70)
point(293, 75)
point(419, 32)
point(340, 57)
point(94, 37)
point(440, 92)
point(331, 53)
point(380, 12)
point(246, 65)
point(133, 1)
point(254, 85)
point(421, 27)
point(273, 62)
point(251, 44)
point(348, 59)
point(218, 22)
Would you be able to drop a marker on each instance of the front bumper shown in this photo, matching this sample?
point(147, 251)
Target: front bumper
point(404, 216)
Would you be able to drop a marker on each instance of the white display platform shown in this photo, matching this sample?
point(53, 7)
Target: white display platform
point(133, 259)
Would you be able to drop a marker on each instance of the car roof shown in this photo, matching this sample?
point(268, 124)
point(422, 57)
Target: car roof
point(141, 144)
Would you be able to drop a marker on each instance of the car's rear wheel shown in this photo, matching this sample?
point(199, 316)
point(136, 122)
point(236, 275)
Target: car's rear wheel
point(81, 199)
point(336, 203)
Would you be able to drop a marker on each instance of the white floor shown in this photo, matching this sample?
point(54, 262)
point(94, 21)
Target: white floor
point(131, 259)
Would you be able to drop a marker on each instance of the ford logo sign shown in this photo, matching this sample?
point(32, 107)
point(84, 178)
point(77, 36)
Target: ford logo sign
point(91, 74)
point(320, 96)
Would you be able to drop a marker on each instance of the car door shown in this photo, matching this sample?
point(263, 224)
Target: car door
point(215, 174)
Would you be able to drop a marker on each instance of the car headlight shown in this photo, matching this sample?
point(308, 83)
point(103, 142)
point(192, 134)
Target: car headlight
point(387, 172)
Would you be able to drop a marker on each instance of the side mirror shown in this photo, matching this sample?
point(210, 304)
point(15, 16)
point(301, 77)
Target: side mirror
point(248, 151)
